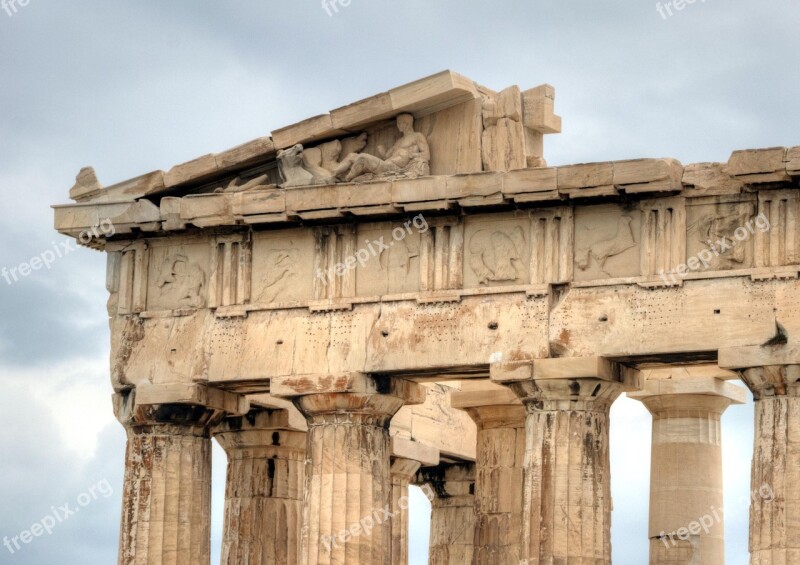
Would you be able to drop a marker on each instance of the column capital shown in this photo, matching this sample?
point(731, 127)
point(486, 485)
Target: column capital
point(452, 483)
point(404, 470)
point(259, 432)
point(190, 405)
point(347, 383)
point(573, 383)
point(348, 394)
point(767, 370)
point(489, 404)
point(667, 395)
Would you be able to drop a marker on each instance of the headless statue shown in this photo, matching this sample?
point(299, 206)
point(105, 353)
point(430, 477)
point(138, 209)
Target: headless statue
point(410, 156)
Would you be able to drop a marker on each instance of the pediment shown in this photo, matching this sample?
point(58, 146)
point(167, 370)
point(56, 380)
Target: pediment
point(454, 126)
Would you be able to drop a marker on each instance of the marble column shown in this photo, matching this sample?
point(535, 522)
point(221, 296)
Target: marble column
point(402, 471)
point(348, 499)
point(686, 496)
point(264, 488)
point(408, 456)
point(166, 505)
point(500, 419)
point(452, 513)
point(772, 373)
point(566, 487)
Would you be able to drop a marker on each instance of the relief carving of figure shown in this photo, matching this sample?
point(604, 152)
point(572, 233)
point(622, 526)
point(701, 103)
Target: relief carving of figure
point(260, 181)
point(317, 165)
point(409, 157)
point(312, 162)
point(290, 164)
point(340, 155)
point(497, 256)
point(181, 282)
point(722, 225)
point(280, 271)
point(603, 250)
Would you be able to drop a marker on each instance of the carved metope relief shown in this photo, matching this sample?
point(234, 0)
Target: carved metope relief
point(497, 252)
point(334, 262)
point(442, 255)
point(178, 276)
point(230, 279)
point(126, 278)
point(711, 232)
point(283, 269)
point(552, 246)
point(388, 256)
point(663, 239)
point(607, 242)
point(776, 233)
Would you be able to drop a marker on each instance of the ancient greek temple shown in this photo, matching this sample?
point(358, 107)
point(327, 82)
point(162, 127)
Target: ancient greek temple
point(402, 292)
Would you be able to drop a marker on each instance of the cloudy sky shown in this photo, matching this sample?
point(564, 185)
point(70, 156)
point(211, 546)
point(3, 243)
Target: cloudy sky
point(131, 87)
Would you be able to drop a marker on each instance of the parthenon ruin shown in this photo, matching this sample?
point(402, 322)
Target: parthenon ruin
point(402, 292)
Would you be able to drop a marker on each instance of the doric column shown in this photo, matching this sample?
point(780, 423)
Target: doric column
point(686, 497)
point(166, 504)
point(407, 458)
point(567, 487)
point(264, 489)
point(348, 501)
point(772, 373)
point(500, 419)
point(452, 513)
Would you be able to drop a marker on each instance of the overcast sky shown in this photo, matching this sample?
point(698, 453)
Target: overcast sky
point(130, 87)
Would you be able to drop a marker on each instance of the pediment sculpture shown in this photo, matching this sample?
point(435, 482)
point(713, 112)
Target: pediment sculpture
point(344, 160)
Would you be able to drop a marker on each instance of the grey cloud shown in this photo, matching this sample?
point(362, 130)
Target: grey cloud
point(132, 87)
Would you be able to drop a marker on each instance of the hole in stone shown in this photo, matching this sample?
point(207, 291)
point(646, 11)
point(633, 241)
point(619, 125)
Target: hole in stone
point(717, 312)
point(279, 342)
point(603, 318)
point(276, 438)
point(384, 333)
point(493, 325)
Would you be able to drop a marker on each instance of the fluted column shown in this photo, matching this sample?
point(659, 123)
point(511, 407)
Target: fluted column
point(408, 456)
point(402, 471)
point(500, 419)
point(264, 488)
point(348, 498)
point(773, 375)
point(567, 487)
point(452, 513)
point(166, 505)
point(686, 496)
